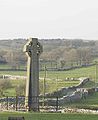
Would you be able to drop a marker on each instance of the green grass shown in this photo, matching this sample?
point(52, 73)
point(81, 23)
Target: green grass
point(50, 86)
point(21, 73)
point(89, 84)
point(49, 116)
point(91, 102)
point(6, 66)
point(75, 73)
point(10, 92)
point(53, 76)
point(56, 80)
point(53, 85)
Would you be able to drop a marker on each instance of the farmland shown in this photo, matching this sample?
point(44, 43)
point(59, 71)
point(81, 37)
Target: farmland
point(74, 73)
point(57, 79)
point(54, 79)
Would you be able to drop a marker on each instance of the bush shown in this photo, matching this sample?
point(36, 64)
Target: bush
point(5, 84)
point(20, 90)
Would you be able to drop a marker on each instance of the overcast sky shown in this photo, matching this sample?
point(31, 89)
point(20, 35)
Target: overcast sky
point(49, 19)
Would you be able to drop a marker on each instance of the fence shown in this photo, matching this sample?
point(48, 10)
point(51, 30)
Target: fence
point(18, 103)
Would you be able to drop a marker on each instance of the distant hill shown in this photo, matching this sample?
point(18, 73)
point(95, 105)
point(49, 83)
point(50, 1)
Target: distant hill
point(47, 43)
point(12, 44)
point(62, 51)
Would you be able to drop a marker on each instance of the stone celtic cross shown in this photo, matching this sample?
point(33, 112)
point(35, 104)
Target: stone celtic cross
point(33, 50)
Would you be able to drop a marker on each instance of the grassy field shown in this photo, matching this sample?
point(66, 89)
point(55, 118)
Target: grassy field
point(21, 73)
point(49, 116)
point(75, 73)
point(55, 79)
point(51, 86)
point(91, 102)
point(6, 66)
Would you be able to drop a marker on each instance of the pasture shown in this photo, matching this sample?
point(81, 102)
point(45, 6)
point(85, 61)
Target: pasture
point(91, 102)
point(74, 73)
point(57, 79)
point(54, 79)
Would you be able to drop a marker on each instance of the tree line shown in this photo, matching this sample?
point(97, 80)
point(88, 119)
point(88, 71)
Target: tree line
point(63, 52)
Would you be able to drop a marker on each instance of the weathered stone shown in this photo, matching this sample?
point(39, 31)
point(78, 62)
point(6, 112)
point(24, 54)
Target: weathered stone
point(33, 49)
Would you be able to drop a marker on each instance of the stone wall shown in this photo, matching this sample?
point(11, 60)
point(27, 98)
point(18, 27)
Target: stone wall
point(13, 77)
point(63, 91)
point(77, 94)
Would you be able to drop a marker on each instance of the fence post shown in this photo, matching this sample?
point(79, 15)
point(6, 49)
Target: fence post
point(7, 102)
point(38, 104)
point(16, 102)
point(56, 103)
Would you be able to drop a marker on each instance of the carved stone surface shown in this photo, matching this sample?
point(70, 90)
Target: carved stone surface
point(33, 50)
